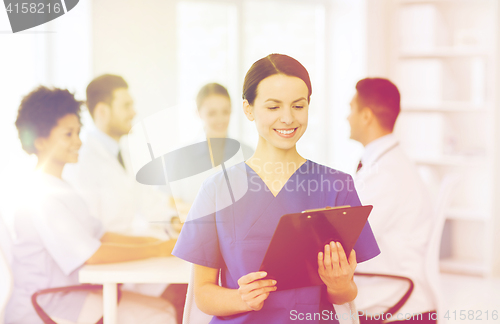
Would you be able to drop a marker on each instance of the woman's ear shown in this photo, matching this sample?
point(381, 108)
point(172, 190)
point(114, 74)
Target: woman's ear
point(248, 110)
point(39, 144)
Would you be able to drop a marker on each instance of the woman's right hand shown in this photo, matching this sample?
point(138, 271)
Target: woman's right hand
point(254, 290)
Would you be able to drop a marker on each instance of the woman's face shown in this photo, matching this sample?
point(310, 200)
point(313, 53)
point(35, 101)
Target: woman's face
point(215, 111)
point(280, 110)
point(63, 142)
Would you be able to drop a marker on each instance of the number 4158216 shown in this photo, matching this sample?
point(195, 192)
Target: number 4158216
point(34, 8)
point(470, 315)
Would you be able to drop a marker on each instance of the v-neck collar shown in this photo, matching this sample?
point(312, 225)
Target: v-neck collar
point(284, 185)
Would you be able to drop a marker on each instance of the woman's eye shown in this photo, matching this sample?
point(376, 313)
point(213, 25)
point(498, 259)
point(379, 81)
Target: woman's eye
point(299, 107)
point(273, 108)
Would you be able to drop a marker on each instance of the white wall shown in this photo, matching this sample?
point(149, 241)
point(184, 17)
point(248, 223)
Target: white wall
point(136, 39)
point(378, 24)
point(380, 60)
point(347, 65)
point(496, 192)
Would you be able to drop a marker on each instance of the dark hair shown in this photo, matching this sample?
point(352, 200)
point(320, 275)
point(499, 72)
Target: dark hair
point(208, 90)
point(382, 97)
point(270, 65)
point(101, 90)
point(39, 112)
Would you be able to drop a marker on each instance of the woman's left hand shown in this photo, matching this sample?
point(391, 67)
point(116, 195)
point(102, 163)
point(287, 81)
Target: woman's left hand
point(334, 268)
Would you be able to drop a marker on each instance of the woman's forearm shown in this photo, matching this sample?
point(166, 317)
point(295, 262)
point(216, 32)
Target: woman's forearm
point(339, 297)
point(219, 301)
point(110, 237)
point(113, 252)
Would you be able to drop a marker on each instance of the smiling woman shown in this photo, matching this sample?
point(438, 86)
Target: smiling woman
point(280, 118)
point(63, 142)
point(51, 132)
point(56, 233)
point(232, 241)
point(214, 109)
point(276, 92)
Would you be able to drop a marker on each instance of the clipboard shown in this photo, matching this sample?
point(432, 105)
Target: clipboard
point(292, 255)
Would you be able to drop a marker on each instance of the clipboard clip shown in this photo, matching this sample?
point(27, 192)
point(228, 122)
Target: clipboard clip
point(325, 208)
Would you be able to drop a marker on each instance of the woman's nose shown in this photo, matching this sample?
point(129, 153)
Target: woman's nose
point(287, 116)
point(78, 141)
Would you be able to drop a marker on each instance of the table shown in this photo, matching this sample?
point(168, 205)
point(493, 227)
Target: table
point(154, 270)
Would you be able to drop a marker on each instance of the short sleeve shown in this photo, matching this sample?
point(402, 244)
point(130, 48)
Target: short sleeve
point(198, 242)
point(68, 240)
point(366, 246)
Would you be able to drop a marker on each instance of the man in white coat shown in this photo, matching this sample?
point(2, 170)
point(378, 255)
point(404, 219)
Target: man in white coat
point(101, 176)
point(104, 179)
point(402, 216)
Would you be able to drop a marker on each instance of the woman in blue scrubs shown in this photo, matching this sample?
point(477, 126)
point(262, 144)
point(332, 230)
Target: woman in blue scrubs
point(233, 238)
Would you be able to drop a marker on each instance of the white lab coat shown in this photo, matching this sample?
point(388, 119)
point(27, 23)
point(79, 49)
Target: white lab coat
point(401, 220)
point(112, 194)
point(55, 235)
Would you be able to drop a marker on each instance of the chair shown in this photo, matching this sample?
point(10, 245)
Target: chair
point(396, 307)
point(6, 285)
point(432, 254)
point(193, 315)
point(432, 257)
point(49, 320)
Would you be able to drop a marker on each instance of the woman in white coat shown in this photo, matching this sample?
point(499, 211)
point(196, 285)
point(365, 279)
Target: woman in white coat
point(55, 232)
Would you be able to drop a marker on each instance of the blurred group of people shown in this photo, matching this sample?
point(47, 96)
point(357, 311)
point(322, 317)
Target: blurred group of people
point(84, 206)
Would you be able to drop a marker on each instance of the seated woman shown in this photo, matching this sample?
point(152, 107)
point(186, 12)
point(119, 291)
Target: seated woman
point(233, 238)
point(214, 108)
point(56, 235)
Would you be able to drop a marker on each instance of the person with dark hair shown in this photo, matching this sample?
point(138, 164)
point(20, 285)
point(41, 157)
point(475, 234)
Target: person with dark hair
point(105, 179)
point(55, 232)
point(102, 89)
point(230, 242)
point(383, 99)
point(103, 176)
point(212, 89)
point(401, 217)
point(39, 113)
point(214, 108)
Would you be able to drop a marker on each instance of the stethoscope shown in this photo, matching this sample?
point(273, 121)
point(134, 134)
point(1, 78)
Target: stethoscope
point(382, 154)
point(390, 148)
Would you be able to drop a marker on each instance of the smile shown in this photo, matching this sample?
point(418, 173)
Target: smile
point(286, 132)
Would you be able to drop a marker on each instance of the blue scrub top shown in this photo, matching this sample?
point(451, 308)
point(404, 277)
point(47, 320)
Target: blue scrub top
point(235, 238)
